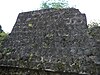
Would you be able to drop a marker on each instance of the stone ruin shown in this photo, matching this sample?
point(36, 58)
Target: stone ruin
point(50, 39)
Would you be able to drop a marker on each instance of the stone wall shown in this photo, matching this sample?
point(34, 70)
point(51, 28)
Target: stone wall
point(54, 39)
point(6, 70)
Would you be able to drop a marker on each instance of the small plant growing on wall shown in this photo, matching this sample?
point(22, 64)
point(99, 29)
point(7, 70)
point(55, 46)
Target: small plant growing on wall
point(60, 66)
point(30, 25)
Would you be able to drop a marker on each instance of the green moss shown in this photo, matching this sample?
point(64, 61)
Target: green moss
point(30, 25)
point(34, 45)
point(45, 45)
point(3, 37)
point(60, 66)
point(30, 56)
point(7, 51)
point(49, 35)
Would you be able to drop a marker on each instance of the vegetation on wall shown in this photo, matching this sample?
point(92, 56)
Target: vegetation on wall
point(3, 35)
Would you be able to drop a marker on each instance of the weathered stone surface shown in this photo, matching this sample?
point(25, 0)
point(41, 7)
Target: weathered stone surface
point(5, 70)
point(55, 39)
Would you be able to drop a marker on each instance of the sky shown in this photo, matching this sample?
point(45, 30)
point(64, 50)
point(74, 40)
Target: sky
point(9, 10)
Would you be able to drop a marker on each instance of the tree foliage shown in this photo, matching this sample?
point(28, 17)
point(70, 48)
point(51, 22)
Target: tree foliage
point(93, 24)
point(3, 36)
point(94, 30)
point(55, 4)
